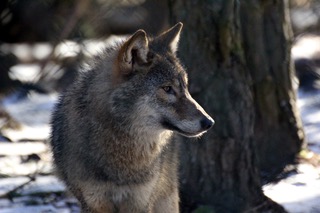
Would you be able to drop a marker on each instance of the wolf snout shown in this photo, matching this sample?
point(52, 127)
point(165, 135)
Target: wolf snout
point(206, 123)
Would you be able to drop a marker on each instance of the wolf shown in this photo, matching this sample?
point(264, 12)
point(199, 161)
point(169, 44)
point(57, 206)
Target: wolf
point(112, 129)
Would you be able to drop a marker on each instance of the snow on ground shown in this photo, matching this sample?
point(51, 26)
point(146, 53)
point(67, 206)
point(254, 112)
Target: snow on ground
point(299, 193)
point(309, 104)
point(33, 113)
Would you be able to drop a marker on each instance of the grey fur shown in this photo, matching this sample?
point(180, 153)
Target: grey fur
point(111, 130)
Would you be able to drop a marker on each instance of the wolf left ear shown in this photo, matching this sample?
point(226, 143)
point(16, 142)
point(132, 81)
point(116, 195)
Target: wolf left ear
point(170, 38)
point(134, 52)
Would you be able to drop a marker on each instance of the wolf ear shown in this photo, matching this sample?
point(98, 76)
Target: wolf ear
point(170, 38)
point(133, 52)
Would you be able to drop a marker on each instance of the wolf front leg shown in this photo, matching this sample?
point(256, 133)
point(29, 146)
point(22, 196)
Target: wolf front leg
point(169, 204)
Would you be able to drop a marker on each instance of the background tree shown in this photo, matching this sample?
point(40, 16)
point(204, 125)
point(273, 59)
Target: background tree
point(278, 130)
point(238, 57)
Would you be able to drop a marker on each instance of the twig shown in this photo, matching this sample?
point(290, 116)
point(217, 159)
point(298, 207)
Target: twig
point(9, 193)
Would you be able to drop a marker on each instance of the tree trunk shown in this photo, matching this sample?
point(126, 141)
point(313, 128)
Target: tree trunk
point(219, 170)
point(278, 130)
point(6, 83)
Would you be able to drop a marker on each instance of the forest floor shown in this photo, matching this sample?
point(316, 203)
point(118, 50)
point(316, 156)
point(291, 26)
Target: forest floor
point(299, 192)
point(28, 185)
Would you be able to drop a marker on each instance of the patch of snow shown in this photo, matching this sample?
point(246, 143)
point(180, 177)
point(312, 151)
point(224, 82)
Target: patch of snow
point(25, 72)
point(309, 104)
point(27, 148)
point(32, 72)
point(27, 52)
point(22, 50)
point(92, 47)
point(31, 209)
point(67, 49)
point(298, 193)
point(306, 46)
point(41, 50)
point(34, 114)
point(32, 111)
point(39, 132)
point(89, 47)
point(14, 166)
point(41, 184)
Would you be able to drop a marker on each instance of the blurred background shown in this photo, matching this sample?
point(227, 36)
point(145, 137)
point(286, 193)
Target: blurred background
point(43, 44)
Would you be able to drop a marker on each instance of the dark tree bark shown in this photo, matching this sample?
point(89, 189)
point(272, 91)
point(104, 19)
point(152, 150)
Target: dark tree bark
point(250, 97)
point(278, 130)
point(6, 83)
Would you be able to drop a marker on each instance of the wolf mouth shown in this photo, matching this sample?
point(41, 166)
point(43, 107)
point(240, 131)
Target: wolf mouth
point(168, 125)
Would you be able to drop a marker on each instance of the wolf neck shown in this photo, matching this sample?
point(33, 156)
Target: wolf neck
point(140, 146)
point(144, 141)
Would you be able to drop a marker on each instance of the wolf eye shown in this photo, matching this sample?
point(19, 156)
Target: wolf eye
point(168, 89)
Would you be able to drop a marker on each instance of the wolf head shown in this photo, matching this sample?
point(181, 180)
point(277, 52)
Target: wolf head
point(150, 86)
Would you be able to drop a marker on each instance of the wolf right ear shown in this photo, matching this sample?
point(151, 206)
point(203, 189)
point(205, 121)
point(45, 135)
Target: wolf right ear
point(133, 53)
point(170, 38)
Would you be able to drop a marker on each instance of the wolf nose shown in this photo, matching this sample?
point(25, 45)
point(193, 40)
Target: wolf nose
point(206, 123)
